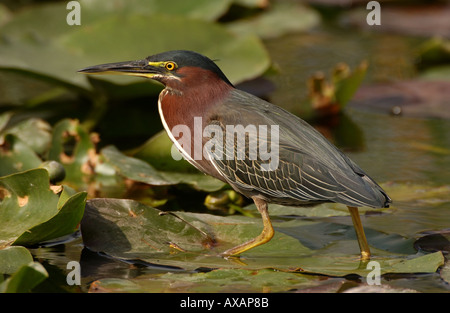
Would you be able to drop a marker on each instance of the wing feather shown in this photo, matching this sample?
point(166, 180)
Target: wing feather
point(310, 169)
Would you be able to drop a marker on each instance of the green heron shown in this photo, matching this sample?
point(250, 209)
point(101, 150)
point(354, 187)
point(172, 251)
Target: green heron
point(308, 170)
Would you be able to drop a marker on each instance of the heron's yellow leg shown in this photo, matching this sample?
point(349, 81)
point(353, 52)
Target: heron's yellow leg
point(362, 241)
point(265, 236)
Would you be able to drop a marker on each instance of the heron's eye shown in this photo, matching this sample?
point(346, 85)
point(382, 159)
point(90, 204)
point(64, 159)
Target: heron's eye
point(170, 66)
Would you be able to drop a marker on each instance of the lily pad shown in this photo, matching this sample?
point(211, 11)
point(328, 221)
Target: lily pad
point(22, 144)
point(201, 9)
point(26, 201)
point(54, 50)
point(154, 232)
point(221, 280)
point(25, 279)
point(36, 133)
point(278, 19)
point(71, 209)
point(128, 230)
point(31, 212)
point(138, 170)
point(12, 258)
point(16, 156)
point(158, 150)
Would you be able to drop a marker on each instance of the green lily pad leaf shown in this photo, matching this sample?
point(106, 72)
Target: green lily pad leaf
point(55, 170)
point(30, 212)
point(240, 57)
point(132, 168)
point(201, 9)
point(12, 258)
point(153, 231)
point(21, 145)
point(25, 201)
point(30, 47)
point(420, 193)
point(25, 279)
point(66, 222)
point(279, 19)
point(54, 51)
point(16, 156)
point(128, 230)
point(321, 210)
point(36, 133)
point(428, 263)
point(158, 150)
point(138, 170)
point(220, 280)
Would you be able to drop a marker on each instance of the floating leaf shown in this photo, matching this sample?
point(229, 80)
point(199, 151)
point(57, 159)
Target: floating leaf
point(403, 192)
point(71, 211)
point(54, 51)
point(55, 171)
point(149, 235)
point(16, 156)
point(30, 212)
point(138, 170)
point(278, 19)
point(221, 280)
point(128, 230)
point(153, 232)
point(25, 279)
point(26, 201)
point(157, 151)
point(12, 258)
point(428, 263)
point(200, 9)
point(36, 133)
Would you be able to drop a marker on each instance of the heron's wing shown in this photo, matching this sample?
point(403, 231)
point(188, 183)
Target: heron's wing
point(303, 167)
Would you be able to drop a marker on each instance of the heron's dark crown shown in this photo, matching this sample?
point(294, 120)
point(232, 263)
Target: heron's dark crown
point(186, 58)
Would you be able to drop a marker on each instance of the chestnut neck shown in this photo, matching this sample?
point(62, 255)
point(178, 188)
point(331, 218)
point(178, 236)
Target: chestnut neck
point(196, 93)
point(181, 102)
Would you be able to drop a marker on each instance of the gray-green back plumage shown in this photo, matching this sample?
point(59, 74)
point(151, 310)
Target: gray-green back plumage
point(309, 169)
